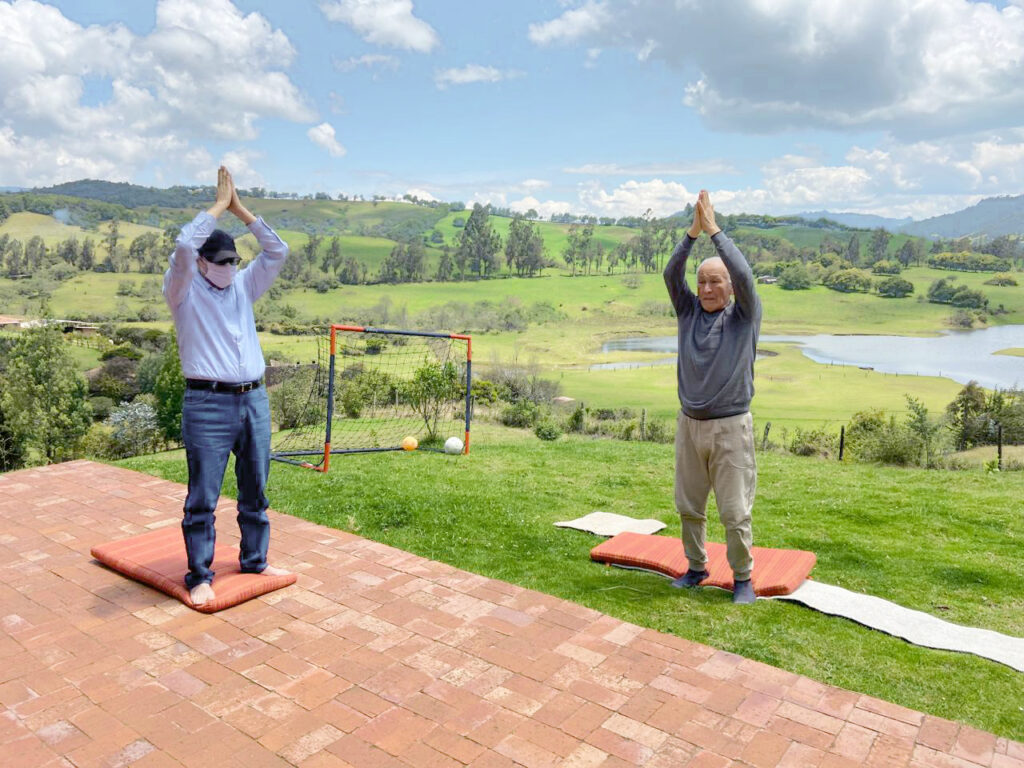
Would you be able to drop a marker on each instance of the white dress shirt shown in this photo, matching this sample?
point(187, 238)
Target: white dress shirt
point(217, 337)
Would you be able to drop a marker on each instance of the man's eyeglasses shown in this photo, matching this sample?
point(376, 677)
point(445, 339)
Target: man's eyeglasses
point(232, 260)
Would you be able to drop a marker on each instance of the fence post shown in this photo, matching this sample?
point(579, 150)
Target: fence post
point(643, 423)
point(842, 440)
point(764, 440)
point(999, 448)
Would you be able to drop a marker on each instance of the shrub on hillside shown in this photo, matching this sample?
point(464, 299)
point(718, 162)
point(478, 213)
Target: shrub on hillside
point(1003, 278)
point(886, 267)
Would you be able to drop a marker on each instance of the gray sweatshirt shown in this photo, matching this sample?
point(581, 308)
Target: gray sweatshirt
point(716, 349)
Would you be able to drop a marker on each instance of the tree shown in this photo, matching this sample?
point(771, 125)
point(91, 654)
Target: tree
point(445, 266)
point(333, 258)
point(853, 250)
point(144, 249)
point(849, 281)
point(12, 450)
point(895, 287)
point(879, 245)
point(478, 243)
point(43, 397)
point(170, 392)
point(524, 248)
point(968, 416)
point(794, 278)
point(433, 387)
point(111, 240)
point(924, 428)
point(87, 256)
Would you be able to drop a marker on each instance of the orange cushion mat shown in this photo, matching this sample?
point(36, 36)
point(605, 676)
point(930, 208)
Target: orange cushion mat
point(776, 571)
point(158, 559)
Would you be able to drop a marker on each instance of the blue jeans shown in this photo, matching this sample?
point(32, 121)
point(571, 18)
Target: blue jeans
point(214, 424)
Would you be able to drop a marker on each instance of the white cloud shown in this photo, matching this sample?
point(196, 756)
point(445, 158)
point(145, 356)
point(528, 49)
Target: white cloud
point(633, 198)
point(698, 168)
point(574, 24)
point(473, 73)
point(205, 70)
point(544, 208)
point(369, 61)
point(421, 194)
point(915, 67)
point(323, 136)
point(383, 22)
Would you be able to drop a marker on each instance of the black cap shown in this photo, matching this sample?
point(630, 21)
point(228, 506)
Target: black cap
point(218, 242)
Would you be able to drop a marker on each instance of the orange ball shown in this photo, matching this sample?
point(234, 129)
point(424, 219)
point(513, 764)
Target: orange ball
point(409, 443)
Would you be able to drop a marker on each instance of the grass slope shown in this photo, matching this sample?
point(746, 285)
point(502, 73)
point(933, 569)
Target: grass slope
point(950, 545)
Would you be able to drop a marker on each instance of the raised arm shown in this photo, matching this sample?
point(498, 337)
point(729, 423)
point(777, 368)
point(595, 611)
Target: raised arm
point(178, 278)
point(675, 270)
point(260, 275)
point(740, 273)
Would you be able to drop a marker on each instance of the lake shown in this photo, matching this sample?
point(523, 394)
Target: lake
point(962, 356)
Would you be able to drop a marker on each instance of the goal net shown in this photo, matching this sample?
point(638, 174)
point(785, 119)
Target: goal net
point(370, 389)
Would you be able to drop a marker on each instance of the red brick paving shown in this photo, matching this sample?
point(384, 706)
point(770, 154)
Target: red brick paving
point(379, 658)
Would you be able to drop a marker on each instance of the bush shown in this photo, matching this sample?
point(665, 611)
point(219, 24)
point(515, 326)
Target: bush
point(577, 420)
point(814, 442)
point(522, 413)
point(134, 429)
point(290, 400)
point(871, 436)
point(101, 407)
point(484, 392)
point(126, 351)
point(1003, 278)
point(886, 268)
point(547, 429)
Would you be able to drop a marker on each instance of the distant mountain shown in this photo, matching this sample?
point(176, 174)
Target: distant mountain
point(859, 220)
point(12, 189)
point(131, 195)
point(993, 216)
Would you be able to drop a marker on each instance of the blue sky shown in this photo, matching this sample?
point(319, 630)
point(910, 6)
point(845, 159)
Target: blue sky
point(609, 107)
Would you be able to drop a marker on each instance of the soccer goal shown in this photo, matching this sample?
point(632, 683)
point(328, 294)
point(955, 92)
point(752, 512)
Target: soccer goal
point(371, 389)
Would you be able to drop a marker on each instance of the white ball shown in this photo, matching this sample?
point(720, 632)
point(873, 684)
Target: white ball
point(453, 445)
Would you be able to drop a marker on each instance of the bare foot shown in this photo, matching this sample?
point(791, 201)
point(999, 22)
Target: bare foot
point(201, 594)
point(273, 570)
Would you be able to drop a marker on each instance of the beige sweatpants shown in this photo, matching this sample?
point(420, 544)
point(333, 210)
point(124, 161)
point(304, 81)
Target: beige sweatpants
point(716, 454)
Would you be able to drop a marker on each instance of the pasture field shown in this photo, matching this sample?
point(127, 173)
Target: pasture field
point(492, 513)
point(25, 225)
point(1014, 351)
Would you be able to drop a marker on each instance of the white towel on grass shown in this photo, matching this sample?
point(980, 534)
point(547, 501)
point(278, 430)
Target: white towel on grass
point(610, 524)
point(915, 627)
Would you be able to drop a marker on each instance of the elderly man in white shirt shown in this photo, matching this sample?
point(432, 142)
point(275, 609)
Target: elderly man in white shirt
point(226, 408)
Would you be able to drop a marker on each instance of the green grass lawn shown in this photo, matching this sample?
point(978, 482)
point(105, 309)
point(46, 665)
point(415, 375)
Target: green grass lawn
point(946, 543)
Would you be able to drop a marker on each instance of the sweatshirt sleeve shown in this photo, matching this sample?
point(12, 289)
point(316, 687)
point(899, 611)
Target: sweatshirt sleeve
point(742, 276)
point(675, 275)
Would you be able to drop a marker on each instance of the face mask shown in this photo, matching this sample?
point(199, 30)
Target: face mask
point(220, 275)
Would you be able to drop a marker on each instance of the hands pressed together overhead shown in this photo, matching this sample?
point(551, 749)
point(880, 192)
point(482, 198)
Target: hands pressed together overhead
point(227, 198)
point(704, 217)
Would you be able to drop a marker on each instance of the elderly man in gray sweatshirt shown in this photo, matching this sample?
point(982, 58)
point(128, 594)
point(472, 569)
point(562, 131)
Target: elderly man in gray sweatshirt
point(715, 372)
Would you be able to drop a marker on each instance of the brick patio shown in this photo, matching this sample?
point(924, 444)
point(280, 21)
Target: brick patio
point(378, 658)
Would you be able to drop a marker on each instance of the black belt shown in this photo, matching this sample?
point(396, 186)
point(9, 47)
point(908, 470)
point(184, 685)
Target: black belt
point(222, 386)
